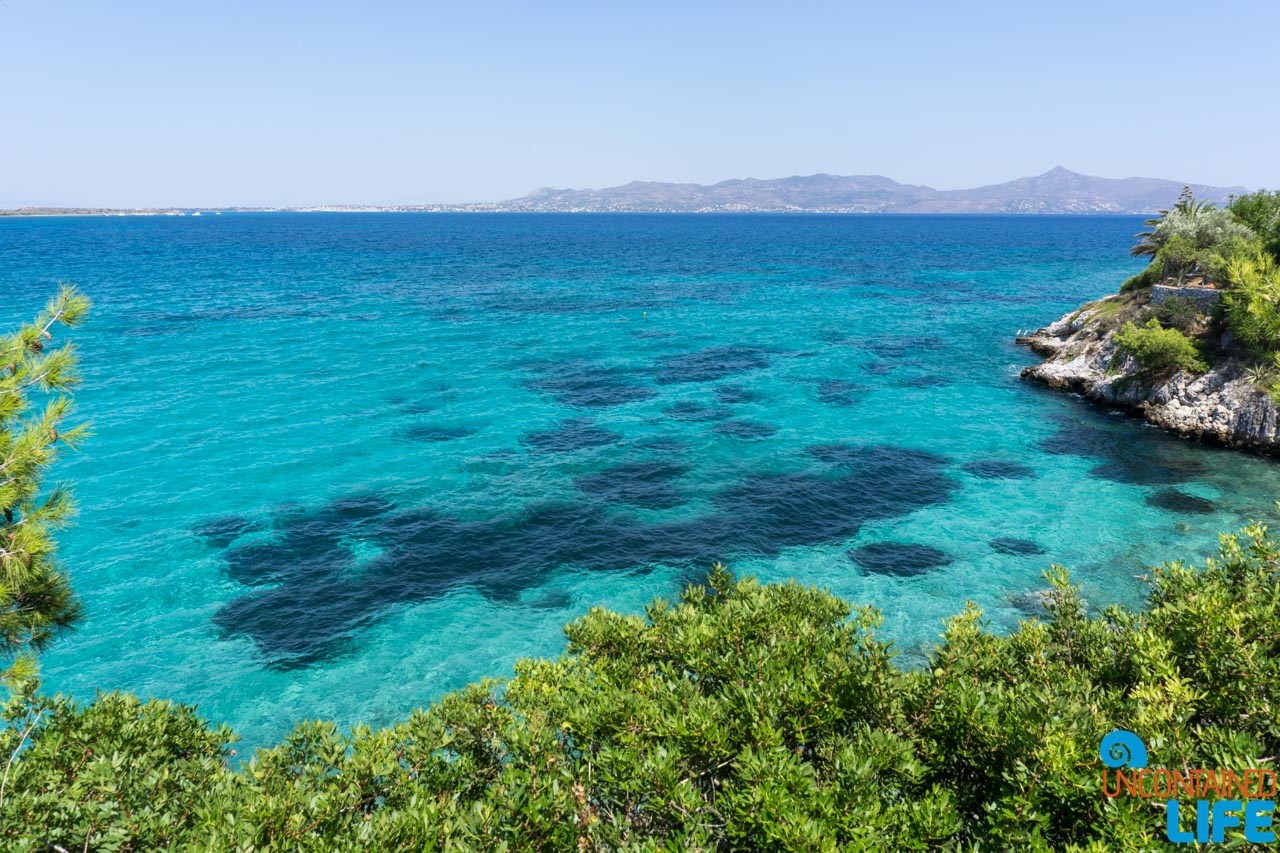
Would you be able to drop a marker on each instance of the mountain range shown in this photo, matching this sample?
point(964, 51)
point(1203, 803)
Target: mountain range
point(1056, 191)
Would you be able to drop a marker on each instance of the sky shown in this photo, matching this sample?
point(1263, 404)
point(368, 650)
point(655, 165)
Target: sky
point(276, 102)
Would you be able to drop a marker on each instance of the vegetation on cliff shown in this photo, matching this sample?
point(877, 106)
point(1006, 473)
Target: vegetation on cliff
point(1232, 249)
point(1159, 349)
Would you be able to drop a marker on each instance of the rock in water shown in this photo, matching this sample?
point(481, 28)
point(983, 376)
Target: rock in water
point(1015, 547)
point(899, 558)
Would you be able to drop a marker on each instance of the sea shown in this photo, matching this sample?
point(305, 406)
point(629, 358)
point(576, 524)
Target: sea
point(343, 464)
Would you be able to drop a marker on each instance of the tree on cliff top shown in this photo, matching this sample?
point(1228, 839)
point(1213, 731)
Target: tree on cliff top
point(36, 600)
point(1261, 212)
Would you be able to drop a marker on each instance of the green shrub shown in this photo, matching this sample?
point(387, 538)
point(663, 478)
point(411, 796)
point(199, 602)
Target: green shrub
point(1251, 305)
point(1181, 257)
point(1158, 349)
point(743, 717)
point(1260, 211)
point(1216, 262)
point(1177, 312)
point(1196, 237)
point(1195, 226)
point(1151, 274)
point(1265, 376)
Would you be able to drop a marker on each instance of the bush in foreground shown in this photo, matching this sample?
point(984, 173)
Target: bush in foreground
point(743, 717)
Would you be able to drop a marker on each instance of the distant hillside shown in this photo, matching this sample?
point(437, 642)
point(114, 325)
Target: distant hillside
point(1056, 191)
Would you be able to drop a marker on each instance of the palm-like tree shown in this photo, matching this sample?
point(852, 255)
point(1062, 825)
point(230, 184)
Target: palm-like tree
point(1150, 241)
point(1187, 204)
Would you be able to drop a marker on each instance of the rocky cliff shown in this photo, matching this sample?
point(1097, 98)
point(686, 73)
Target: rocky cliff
point(1222, 405)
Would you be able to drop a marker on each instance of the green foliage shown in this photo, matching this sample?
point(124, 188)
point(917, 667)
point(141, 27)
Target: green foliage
point(1158, 349)
point(1150, 275)
point(109, 768)
point(1216, 262)
point(1204, 229)
point(1181, 256)
point(1261, 212)
point(1197, 226)
point(1252, 304)
point(1192, 237)
point(36, 601)
point(1265, 376)
point(1177, 312)
point(743, 717)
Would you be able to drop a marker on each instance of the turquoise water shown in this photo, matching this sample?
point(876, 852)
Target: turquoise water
point(344, 464)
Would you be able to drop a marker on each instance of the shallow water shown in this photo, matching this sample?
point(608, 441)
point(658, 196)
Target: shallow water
point(346, 463)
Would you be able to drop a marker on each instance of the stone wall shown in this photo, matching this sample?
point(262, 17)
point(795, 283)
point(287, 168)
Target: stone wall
point(1204, 297)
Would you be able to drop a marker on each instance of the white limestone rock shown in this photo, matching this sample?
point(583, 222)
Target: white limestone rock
point(1221, 405)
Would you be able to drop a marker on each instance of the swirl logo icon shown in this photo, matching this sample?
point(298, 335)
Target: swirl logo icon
point(1201, 804)
point(1122, 748)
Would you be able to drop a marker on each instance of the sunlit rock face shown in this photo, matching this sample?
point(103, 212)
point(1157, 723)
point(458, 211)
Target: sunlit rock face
point(1222, 405)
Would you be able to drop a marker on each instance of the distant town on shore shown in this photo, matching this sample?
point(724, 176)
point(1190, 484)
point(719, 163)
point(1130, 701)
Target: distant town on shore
point(1058, 191)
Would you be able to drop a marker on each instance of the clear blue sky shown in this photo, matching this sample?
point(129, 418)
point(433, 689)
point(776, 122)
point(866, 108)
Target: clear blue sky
point(229, 102)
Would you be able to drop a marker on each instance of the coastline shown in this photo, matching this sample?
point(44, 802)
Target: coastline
point(1221, 406)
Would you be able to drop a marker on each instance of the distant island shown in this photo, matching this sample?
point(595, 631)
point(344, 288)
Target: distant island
point(1057, 191)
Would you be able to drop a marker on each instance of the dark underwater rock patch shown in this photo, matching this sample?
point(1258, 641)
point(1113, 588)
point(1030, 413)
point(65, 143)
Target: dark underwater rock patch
point(745, 429)
point(834, 454)
point(851, 454)
point(1129, 453)
point(646, 484)
point(999, 469)
point(731, 394)
point(426, 433)
point(1014, 547)
point(707, 365)
point(769, 512)
point(322, 594)
point(571, 434)
point(310, 544)
point(879, 368)
point(556, 599)
point(1177, 501)
point(691, 410)
point(221, 532)
point(1139, 471)
point(1092, 434)
point(838, 392)
point(585, 385)
point(901, 559)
